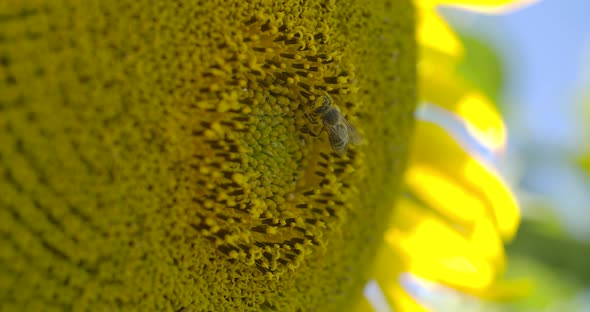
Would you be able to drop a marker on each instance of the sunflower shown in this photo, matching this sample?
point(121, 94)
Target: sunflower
point(167, 155)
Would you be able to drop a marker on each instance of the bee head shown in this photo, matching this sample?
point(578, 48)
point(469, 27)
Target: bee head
point(331, 116)
point(322, 104)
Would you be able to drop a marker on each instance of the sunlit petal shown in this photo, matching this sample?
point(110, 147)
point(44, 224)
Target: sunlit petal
point(504, 205)
point(375, 297)
point(435, 250)
point(440, 85)
point(404, 302)
point(435, 155)
point(389, 266)
point(484, 6)
point(451, 226)
point(364, 305)
point(486, 242)
point(437, 78)
point(448, 197)
point(483, 121)
point(490, 6)
point(434, 33)
point(504, 289)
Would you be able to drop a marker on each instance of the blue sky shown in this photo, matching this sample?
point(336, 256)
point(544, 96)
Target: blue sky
point(552, 37)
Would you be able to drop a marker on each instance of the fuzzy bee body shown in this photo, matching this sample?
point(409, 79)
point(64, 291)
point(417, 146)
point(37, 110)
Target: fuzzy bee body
point(340, 131)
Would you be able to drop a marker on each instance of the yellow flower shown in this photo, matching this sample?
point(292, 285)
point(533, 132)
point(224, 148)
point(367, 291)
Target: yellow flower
point(164, 155)
point(161, 155)
point(457, 213)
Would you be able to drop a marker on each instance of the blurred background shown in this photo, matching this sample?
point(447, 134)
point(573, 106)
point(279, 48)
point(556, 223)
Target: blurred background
point(535, 63)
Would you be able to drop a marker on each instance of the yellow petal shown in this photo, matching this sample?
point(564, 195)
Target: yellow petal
point(364, 305)
point(433, 249)
point(486, 242)
point(389, 266)
point(434, 33)
point(489, 6)
point(463, 189)
point(440, 85)
point(483, 121)
point(437, 80)
point(403, 301)
point(446, 195)
point(505, 290)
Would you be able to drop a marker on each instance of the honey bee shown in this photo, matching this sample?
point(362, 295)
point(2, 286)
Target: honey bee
point(340, 131)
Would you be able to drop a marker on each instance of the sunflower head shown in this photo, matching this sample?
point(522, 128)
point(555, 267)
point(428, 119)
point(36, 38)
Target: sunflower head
point(167, 155)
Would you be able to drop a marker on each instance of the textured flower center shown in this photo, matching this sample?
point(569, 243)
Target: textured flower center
point(269, 184)
point(163, 155)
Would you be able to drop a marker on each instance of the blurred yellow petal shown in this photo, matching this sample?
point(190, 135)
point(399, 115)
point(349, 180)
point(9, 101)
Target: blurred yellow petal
point(489, 6)
point(506, 290)
point(434, 250)
point(437, 81)
point(445, 195)
point(484, 6)
point(501, 199)
point(432, 3)
point(364, 305)
point(435, 155)
point(487, 243)
point(483, 121)
point(440, 85)
point(403, 301)
point(434, 33)
point(389, 266)
point(452, 226)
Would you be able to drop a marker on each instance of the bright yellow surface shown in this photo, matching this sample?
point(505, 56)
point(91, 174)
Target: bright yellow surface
point(458, 213)
point(471, 188)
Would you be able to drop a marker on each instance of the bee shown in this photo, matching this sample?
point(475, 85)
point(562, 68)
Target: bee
point(340, 131)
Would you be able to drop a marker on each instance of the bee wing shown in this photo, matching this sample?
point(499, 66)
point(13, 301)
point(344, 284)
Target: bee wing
point(353, 136)
point(336, 141)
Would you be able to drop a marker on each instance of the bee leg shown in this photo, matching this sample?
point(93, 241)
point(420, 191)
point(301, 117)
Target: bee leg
point(310, 119)
point(312, 133)
point(309, 124)
point(307, 130)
